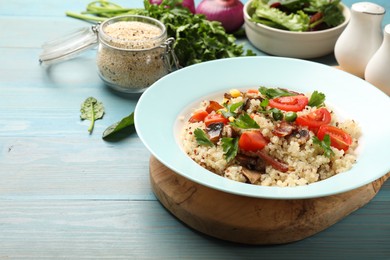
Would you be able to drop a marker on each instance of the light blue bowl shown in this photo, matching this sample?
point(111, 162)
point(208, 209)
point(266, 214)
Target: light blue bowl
point(160, 106)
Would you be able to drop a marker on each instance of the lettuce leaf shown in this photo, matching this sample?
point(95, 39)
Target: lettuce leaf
point(298, 22)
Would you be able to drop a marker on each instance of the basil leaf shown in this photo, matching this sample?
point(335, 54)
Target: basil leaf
point(244, 121)
point(201, 138)
point(317, 99)
point(324, 144)
point(92, 110)
point(118, 126)
point(230, 147)
point(275, 92)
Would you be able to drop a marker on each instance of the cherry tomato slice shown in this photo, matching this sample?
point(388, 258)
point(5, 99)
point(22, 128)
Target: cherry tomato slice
point(338, 138)
point(252, 141)
point(215, 118)
point(198, 116)
point(213, 106)
point(289, 103)
point(315, 119)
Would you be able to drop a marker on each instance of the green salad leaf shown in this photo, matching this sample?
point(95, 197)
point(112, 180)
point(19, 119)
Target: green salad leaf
point(230, 147)
point(244, 121)
point(91, 109)
point(202, 138)
point(118, 126)
point(298, 15)
point(298, 22)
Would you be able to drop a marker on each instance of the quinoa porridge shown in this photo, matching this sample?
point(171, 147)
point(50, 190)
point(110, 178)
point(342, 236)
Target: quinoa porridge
point(270, 137)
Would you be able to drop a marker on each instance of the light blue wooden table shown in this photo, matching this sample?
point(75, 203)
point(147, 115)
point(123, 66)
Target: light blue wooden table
point(67, 194)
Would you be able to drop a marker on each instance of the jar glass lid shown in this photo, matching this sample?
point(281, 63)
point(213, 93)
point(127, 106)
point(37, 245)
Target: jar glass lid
point(69, 46)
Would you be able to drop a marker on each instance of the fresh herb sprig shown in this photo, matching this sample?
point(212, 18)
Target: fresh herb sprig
point(274, 92)
point(317, 99)
point(230, 147)
point(244, 121)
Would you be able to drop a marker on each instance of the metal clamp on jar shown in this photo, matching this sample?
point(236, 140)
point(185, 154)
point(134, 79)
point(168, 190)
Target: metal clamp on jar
point(133, 51)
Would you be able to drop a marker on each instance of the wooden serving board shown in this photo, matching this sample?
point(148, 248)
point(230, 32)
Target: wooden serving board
point(252, 220)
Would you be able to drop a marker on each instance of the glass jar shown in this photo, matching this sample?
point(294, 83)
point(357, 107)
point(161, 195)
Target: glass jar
point(133, 51)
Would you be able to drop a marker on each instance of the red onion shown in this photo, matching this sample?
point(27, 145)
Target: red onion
point(190, 4)
point(229, 12)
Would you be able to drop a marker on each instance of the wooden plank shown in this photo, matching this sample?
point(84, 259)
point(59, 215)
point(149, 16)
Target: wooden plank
point(143, 230)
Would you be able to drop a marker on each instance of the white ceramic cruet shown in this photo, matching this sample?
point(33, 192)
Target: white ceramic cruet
point(361, 38)
point(378, 68)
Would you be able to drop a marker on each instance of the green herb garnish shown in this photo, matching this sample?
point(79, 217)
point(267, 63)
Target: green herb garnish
point(244, 121)
point(264, 103)
point(92, 110)
point(324, 144)
point(118, 126)
point(202, 138)
point(230, 147)
point(317, 99)
point(274, 92)
point(230, 109)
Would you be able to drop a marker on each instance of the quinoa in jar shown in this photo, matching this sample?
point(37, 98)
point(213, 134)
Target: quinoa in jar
point(131, 54)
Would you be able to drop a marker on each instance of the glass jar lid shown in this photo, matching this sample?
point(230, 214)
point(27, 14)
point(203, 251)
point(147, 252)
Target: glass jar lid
point(69, 46)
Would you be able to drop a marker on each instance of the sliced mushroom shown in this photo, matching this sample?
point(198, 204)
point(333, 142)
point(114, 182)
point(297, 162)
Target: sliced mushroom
point(251, 162)
point(214, 131)
point(252, 176)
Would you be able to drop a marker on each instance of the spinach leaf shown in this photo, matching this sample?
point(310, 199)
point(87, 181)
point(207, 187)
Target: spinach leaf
point(244, 121)
point(118, 126)
point(324, 144)
point(92, 110)
point(201, 138)
point(230, 147)
point(317, 99)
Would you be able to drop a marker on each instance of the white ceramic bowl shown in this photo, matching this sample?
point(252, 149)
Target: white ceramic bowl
point(304, 45)
point(160, 108)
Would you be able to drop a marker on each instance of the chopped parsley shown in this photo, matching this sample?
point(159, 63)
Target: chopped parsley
point(230, 148)
point(244, 121)
point(317, 99)
point(230, 109)
point(201, 138)
point(325, 145)
point(274, 92)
